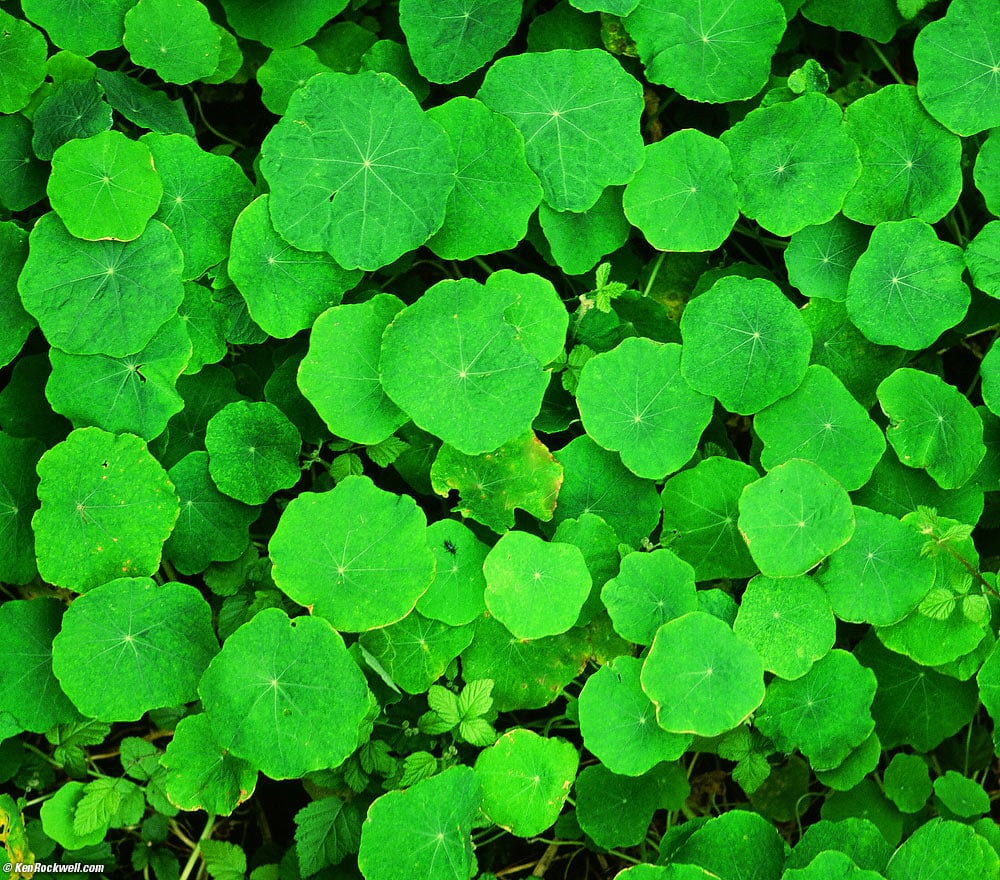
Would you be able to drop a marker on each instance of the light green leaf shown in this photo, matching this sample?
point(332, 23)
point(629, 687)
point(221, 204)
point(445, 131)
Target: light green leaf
point(830, 865)
point(58, 812)
point(819, 259)
point(22, 175)
point(982, 256)
point(23, 67)
point(285, 71)
point(78, 25)
point(18, 502)
point(736, 844)
point(876, 19)
point(148, 108)
point(987, 173)
point(577, 145)
point(579, 239)
point(859, 839)
point(176, 38)
point(615, 810)
point(278, 24)
point(326, 831)
point(75, 109)
point(108, 802)
point(961, 796)
point(455, 595)
point(206, 321)
point(223, 860)
point(907, 782)
point(943, 850)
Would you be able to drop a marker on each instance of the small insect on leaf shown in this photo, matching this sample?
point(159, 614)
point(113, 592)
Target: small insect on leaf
point(449, 547)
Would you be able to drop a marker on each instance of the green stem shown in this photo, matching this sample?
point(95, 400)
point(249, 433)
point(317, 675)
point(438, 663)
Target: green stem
point(654, 273)
point(482, 264)
point(209, 126)
point(193, 858)
point(885, 61)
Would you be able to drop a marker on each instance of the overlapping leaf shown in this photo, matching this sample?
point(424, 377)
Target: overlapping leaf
point(176, 38)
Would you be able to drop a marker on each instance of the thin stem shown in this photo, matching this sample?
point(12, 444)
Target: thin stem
point(885, 61)
point(482, 264)
point(209, 126)
point(196, 850)
point(654, 273)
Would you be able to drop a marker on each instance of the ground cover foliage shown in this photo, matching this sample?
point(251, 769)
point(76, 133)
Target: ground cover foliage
point(482, 438)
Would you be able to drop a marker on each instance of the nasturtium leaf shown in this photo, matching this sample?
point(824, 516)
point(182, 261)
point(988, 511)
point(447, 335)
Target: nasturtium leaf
point(788, 621)
point(821, 422)
point(578, 240)
point(206, 321)
point(600, 547)
point(989, 369)
point(278, 24)
point(455, 596)
point(253, 451)
point(986, 173)
point(285, 289)
point(649, 590)
point(22, 175)
point(819, 258)
point(737, 844)
point(204, 395)
point(451, 38)
point(615, 810)
point(527, 673)
point(417, 650)
point(618, 722)
point(958, 74)
point(106, 509)
point(906, 289)
point(134, 394)
point(830, 865)
point(453, 363)
point(389, 56)
point(943, 629)
point(58, 812)
point(634, 400)
point(700, 515)
point(683, 198)
point(211, 527)
point(794, 517)
point(708, 50)
point(907, 782)
point(533, 308)
point(932, 426)
point(80, 26)
point(857, 838)
point(202, 195)
point(577, 145)
point(129, 646)
point(423, 832)
point(595, 481)
point(961, 796)
point(332, 552)
point(745, 343)
point(176, 38)
point(18, 502)
point(285, 71)
point(28, 689)
point(285, 695)
point(100, 297)
point(390, 160)
point(495, 191)
point(911, 165)
point(520, 474)
point(825, 713)
point(914, 705)
point(74, 109)
point(17, 323)
point(702, 677)
point(339, 374)
point(982, 256)
point(104, 186)
point(147, 108)
point(526, 778)
point(201, 774)
point(944, 850)
point(23, 67)
point(876, 19)
point(793, 163)
point(879, 576)
point(535, 588)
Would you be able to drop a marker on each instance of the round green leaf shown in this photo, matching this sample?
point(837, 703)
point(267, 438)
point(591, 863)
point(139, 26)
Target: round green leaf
point(479, 384)
point(634, 400)
point(700, 514)
point(859, 839)
point(495, 191)
point(58, 812)
point(825, 713)
point(649, 590)
point(104, 186)
point(911, 165)
point(285, 71)
point(455, 596)
point(728, 845)
point(702, 678)
point(23, 53)
point(392, 161)
point(79, 26)
point(615, 810)
point(277, 23)
point(821, 422)
point(28, 689)
point(134, 394)
point(907, 782)
point(253, 451)
point(794, 517)
point(990, 371)
point(576, 146)
point(206, 321)
point(103, 297)
point(107, 507)
point(683, 198)
point(708, 50)
point(788, 621)
point(982, 256)
point(880, 575)
point(987, 173)
point(961, 796)
point(423, 832)
point(331, 552)
point(339, 374)
point(618, 722)
point(201, 775)
point(75, 109)
point(202, 195)
point(18, 502)
point(451, 38)
point(535, 311)
point(285, 695)
point(876, 19)
point(176, 38)
point(745, 343)
point(129, 646)
point(819, 259)
point(533, 587)
point(526, 778)
point(958, 74)
point(943, 850)
point(932, 426)
point(831, 865)
point(22, 176)
point(579, 239)
point(793, 163)
point(212, 527)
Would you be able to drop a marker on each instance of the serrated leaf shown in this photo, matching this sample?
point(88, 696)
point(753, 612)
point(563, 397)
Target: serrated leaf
point(326, 832)
point(223, 860)
point(475, 699)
